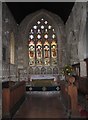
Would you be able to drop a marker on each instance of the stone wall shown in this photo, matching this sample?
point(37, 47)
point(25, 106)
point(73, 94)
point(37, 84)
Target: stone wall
point(87, 31)
point(76, 35)
point(0, 59)
point(75, 30)
point(0, 41)
point(8, 26)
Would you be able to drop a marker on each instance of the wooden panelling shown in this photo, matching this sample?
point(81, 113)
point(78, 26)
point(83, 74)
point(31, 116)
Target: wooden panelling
point(83, 85)
point(86, 60)
point(10, 97)
point(65, 96)
point(76, 67)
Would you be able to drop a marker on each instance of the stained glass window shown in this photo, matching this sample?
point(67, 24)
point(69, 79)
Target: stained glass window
point(42, 44)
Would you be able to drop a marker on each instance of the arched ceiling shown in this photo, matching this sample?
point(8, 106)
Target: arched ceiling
point(21, 9)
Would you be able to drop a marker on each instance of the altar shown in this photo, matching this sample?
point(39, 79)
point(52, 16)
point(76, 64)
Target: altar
point(43, 83)
point(42, 77)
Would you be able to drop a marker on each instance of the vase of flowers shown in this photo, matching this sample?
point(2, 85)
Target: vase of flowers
point(67, 71)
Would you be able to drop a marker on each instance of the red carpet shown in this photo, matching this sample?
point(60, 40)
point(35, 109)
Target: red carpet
point(82, 111)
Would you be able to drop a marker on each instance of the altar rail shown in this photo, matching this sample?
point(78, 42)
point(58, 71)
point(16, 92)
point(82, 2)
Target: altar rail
point(12, 98)
point(69, 96)
point(64, 96)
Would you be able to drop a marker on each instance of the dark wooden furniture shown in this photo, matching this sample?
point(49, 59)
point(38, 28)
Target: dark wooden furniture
point(64, 96)
point(76, 68)
point(83, 85)
point(7, 84)
point(86, 60)
point(12, 98)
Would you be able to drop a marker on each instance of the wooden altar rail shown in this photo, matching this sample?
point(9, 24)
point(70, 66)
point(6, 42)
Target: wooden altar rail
point(65, 97)
point(69, 98)
point(12, 98)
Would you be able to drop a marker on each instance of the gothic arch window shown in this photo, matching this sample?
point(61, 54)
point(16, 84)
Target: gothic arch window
point(12, 48)
point(42, 44)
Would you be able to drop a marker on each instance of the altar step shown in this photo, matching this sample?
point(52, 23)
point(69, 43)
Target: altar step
point(43, 88)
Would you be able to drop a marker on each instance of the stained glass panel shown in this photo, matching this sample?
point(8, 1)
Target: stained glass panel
point(42, 44)
point(31, 37)
point(53, 36)
point(38, 22)
point(35, 27)
point(42, 27)
point(39, 53)
point(54, 52)
point(49, 27)
point(45, 36)
point(45, 22)
point(31, 53)
point(38, 36)
point(46, 53)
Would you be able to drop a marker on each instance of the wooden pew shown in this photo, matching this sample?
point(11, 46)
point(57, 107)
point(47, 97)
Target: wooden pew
point(83, 85)
point(70, 97)
point(12, 98)
point(64, 96)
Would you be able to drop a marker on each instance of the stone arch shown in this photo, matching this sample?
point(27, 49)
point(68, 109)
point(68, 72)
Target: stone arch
point(49, 70)
point(37, 70)
point(30, 70)
point(55, 70)
point(29, 20)
point(43, 70)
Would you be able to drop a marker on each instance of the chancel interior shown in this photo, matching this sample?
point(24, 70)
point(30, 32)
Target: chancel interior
point(45, 64)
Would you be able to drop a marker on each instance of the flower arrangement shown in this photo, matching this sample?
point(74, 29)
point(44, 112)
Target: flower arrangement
point(67, 70)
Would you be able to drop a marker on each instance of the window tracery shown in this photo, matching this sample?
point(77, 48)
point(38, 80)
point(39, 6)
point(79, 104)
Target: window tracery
point(42, 44)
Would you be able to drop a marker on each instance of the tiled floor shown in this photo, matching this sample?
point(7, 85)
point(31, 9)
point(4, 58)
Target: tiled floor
point(41, 105)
